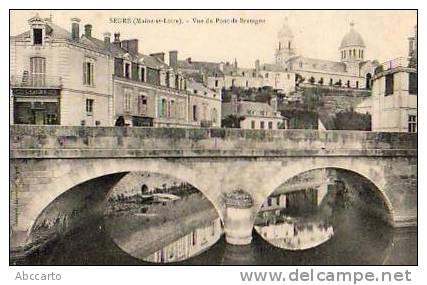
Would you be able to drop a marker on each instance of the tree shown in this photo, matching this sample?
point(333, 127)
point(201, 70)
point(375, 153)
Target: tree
point(232, 121)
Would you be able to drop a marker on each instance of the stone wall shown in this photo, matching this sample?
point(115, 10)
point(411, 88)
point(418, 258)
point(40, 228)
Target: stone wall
point(71, 142)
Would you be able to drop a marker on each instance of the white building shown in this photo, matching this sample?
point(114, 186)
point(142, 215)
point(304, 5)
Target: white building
point(58, 77)
point(256, 115)
point(394, 98)
point(227, 75)
point(393, 104)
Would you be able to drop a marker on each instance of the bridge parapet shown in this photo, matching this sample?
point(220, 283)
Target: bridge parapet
point(67, 142)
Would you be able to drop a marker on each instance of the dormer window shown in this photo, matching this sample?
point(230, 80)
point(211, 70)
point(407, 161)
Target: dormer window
point(142, 73)
point(127, 69)
point(37, 36)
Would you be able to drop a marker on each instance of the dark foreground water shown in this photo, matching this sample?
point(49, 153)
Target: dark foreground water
point(359, 240)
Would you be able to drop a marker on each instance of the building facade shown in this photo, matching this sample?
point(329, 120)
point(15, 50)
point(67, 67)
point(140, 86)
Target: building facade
point(394, 102)
point(61, 77)
point(255, 115)
point(352, 71)
point(227, 75)
point(58, 77)
point(394, 98)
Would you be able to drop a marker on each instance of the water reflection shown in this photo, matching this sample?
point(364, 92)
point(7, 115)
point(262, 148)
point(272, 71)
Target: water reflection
point(295, 234)
point(300, 214)
point(192, 244)
point(161, 223)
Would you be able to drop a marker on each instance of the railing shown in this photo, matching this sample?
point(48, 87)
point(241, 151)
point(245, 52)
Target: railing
point(35, 81)
point(394, 63)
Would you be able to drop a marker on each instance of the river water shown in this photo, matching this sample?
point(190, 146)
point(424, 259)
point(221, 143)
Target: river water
point(359, 240)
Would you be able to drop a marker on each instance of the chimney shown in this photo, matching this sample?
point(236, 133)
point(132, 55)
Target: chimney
point(88, 30)
point(173, 59)
point(131, 46)
point(116, 41)
point(117, 37)
point(75, 33)
point(159, 55)
point(107, 37)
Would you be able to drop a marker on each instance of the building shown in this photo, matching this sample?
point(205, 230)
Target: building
point(67, 78)
point(189, 245)
point(255, 115)
point(227, 75)
point(352, 71)
point(204, 105)
point(394, 97)
point(58, 77)
point(393, 104)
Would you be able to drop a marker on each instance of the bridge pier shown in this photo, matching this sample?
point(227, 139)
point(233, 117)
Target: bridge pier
point(239, 217)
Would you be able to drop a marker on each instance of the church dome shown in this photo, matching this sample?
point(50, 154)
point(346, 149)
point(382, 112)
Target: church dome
point(352, 38)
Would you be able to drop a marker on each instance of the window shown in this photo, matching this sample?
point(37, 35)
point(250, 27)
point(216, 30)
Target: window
point(389, 84)
point(177, 82)
point(127, 99)
point(348, 83)
point(261, 125)
point(252, 124)
point(247, 83)
point(142, 74)
point(88, 73)
point(270, 125)
point(357, 84)
point(214, 115)
point(216, 83)
point(38, 71)
point(194, 113)
point(142, 104)
point(167, 79)
point(300, 64)
point(412, 124)
point(163, 108)
point(331, 82)
point(413, 83)
point(172, 109)
point(37, 36)
point(266, 75)
point(127, 70)
point(89, 106)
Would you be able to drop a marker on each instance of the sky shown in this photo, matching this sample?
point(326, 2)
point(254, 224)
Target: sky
point(317, 33)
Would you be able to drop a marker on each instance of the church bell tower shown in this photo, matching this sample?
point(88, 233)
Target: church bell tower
point(285, 48)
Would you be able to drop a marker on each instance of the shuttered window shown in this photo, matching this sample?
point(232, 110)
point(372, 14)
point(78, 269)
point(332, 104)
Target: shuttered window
point(38, 71)
point(88, 68)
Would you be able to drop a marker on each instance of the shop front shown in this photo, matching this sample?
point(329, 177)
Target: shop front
point(36, 106)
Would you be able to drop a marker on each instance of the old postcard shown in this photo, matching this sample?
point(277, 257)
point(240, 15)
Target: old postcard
point(213, 137)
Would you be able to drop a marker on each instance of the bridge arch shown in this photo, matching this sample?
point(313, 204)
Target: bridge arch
point(371, 173)
point(80, 173)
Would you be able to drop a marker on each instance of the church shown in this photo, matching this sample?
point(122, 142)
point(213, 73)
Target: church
point(352, 71)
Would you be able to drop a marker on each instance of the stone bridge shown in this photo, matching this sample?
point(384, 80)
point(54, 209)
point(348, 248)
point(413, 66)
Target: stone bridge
point(46, 162)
